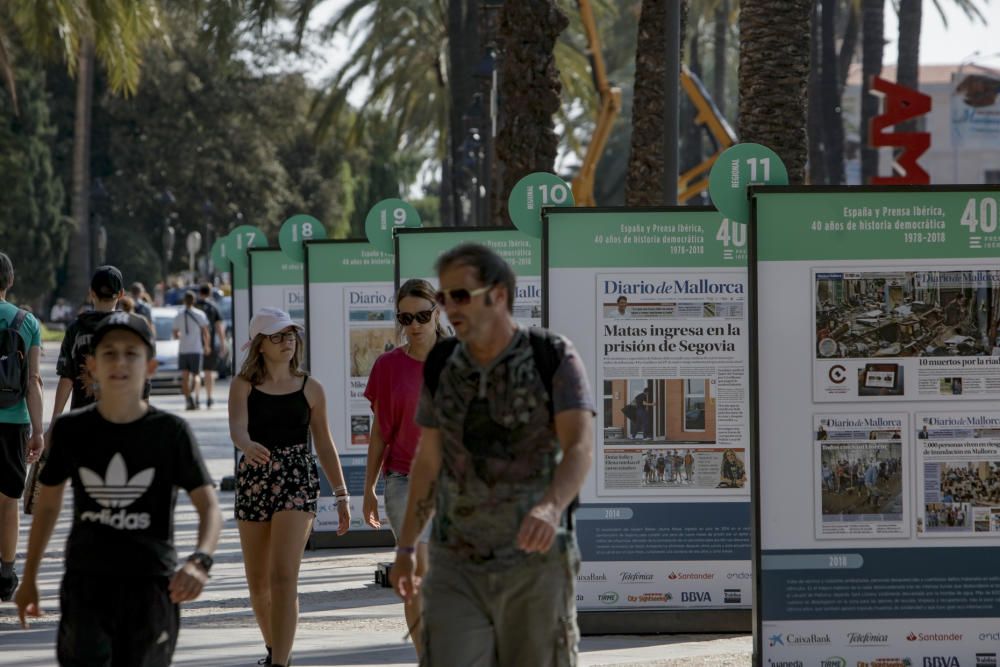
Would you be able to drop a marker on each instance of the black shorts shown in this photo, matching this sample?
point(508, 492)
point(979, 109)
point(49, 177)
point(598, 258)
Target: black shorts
point(288, 482)
point(13, 451)
point(210, 362)
point(189, 362)
point(109, 621)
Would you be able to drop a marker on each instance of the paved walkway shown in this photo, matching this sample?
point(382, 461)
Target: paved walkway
point(345, 618)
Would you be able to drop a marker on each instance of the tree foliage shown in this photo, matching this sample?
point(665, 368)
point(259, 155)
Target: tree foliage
point(33, 231)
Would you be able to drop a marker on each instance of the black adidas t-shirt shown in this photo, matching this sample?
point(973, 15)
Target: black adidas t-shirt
point(125, 479)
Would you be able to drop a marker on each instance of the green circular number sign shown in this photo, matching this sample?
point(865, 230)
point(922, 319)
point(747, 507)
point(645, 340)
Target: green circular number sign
point(242, 239)
point(386, 216)
point(297, 230)
point(737, 168)
point(533, 192)
point(220, 256)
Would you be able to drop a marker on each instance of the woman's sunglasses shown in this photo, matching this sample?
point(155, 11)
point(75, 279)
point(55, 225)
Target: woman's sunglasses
point(278, 337)
point(423, 317)
point(460, 296)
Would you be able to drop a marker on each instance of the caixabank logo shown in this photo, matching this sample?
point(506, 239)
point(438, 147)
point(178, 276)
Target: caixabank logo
point(796, 639)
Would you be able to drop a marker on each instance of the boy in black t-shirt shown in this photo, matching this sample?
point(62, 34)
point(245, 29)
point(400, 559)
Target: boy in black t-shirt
point(120, 593)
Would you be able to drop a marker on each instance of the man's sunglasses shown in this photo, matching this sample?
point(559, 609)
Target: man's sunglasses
point(278, 337)
point(423, 317)
point(460, 296)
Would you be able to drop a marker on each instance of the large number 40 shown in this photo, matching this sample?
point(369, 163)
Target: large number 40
point(987, 219)
point(732, 232)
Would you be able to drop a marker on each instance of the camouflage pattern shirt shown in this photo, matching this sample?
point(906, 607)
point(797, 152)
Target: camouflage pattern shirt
point(499, 447)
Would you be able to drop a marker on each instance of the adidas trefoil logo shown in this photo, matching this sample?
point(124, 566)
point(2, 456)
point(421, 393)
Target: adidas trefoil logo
point(116, 489)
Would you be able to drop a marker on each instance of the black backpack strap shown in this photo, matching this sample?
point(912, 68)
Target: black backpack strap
point(18, 320)
point(435, 362)
point(547, 358)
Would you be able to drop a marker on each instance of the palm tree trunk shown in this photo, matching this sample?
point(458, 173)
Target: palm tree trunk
point(529, 94)
point(833, 125)
point(719, 55)
point(817, 165)
point(691, 154)
point(78, 265)
point(463, 54)
point(872, 43)
point(908, 66)
point(643, 185)
point(849, 45)
point(773, 75)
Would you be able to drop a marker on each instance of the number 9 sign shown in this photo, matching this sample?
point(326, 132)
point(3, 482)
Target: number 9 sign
point(297, 230)
point(386, 216)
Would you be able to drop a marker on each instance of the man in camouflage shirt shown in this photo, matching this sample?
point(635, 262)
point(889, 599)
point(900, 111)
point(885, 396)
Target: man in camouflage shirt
point(498, 463)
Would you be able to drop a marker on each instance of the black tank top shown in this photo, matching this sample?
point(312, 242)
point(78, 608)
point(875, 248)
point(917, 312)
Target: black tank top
point(278, 420)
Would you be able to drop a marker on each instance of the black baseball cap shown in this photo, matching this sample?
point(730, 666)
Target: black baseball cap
point(107, 282)
point(126, 322)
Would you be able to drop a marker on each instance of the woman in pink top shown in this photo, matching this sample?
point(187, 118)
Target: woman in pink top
point(394, 390)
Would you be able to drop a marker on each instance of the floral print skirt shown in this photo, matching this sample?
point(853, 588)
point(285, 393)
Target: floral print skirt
point(288, 482)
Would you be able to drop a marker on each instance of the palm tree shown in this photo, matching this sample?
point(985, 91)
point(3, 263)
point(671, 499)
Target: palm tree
point(910, 21)
point(643, 183)
point(404, 52)
point(529, 93)
point(773, 77)
point(872, 45)
point(111, 32)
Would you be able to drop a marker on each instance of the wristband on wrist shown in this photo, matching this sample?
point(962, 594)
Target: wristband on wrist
point(343, 499)
point(406, 550)
point(339, 489)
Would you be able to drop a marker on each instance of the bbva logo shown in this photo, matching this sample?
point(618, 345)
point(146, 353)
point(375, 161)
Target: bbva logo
point(696, 597)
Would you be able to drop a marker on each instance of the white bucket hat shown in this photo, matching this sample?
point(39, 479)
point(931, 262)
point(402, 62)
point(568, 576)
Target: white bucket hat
point(269, 321)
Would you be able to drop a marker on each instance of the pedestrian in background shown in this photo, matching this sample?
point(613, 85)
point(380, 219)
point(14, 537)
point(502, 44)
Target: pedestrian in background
point(216, 348)
point(21, 440)
point(393, 391)
point(191, 328)
point(273, 407)
point(506, 443)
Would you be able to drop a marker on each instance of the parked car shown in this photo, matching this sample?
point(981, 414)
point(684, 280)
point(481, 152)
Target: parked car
point(167, 378)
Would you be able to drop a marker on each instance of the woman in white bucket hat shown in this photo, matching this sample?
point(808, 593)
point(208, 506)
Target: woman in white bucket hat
point(273, 407)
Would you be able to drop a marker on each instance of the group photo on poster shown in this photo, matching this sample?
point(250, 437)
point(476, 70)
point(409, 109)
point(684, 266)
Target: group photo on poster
point(959, 466)
point(922, 334)
point(861, 476)
point(671, 348)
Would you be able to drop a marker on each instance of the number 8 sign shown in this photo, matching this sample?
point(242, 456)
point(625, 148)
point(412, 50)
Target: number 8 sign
point(297, 230)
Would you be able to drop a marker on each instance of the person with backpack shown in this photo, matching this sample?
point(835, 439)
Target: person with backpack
point(21, 440)
point(506, 441)
point(393, 391)
point(119, 595)
point(216, 349)
point(191, 328)
point(75, 383)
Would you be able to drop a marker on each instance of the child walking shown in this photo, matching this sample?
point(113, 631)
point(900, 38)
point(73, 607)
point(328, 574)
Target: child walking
point(273, 408)
point(120, 593)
